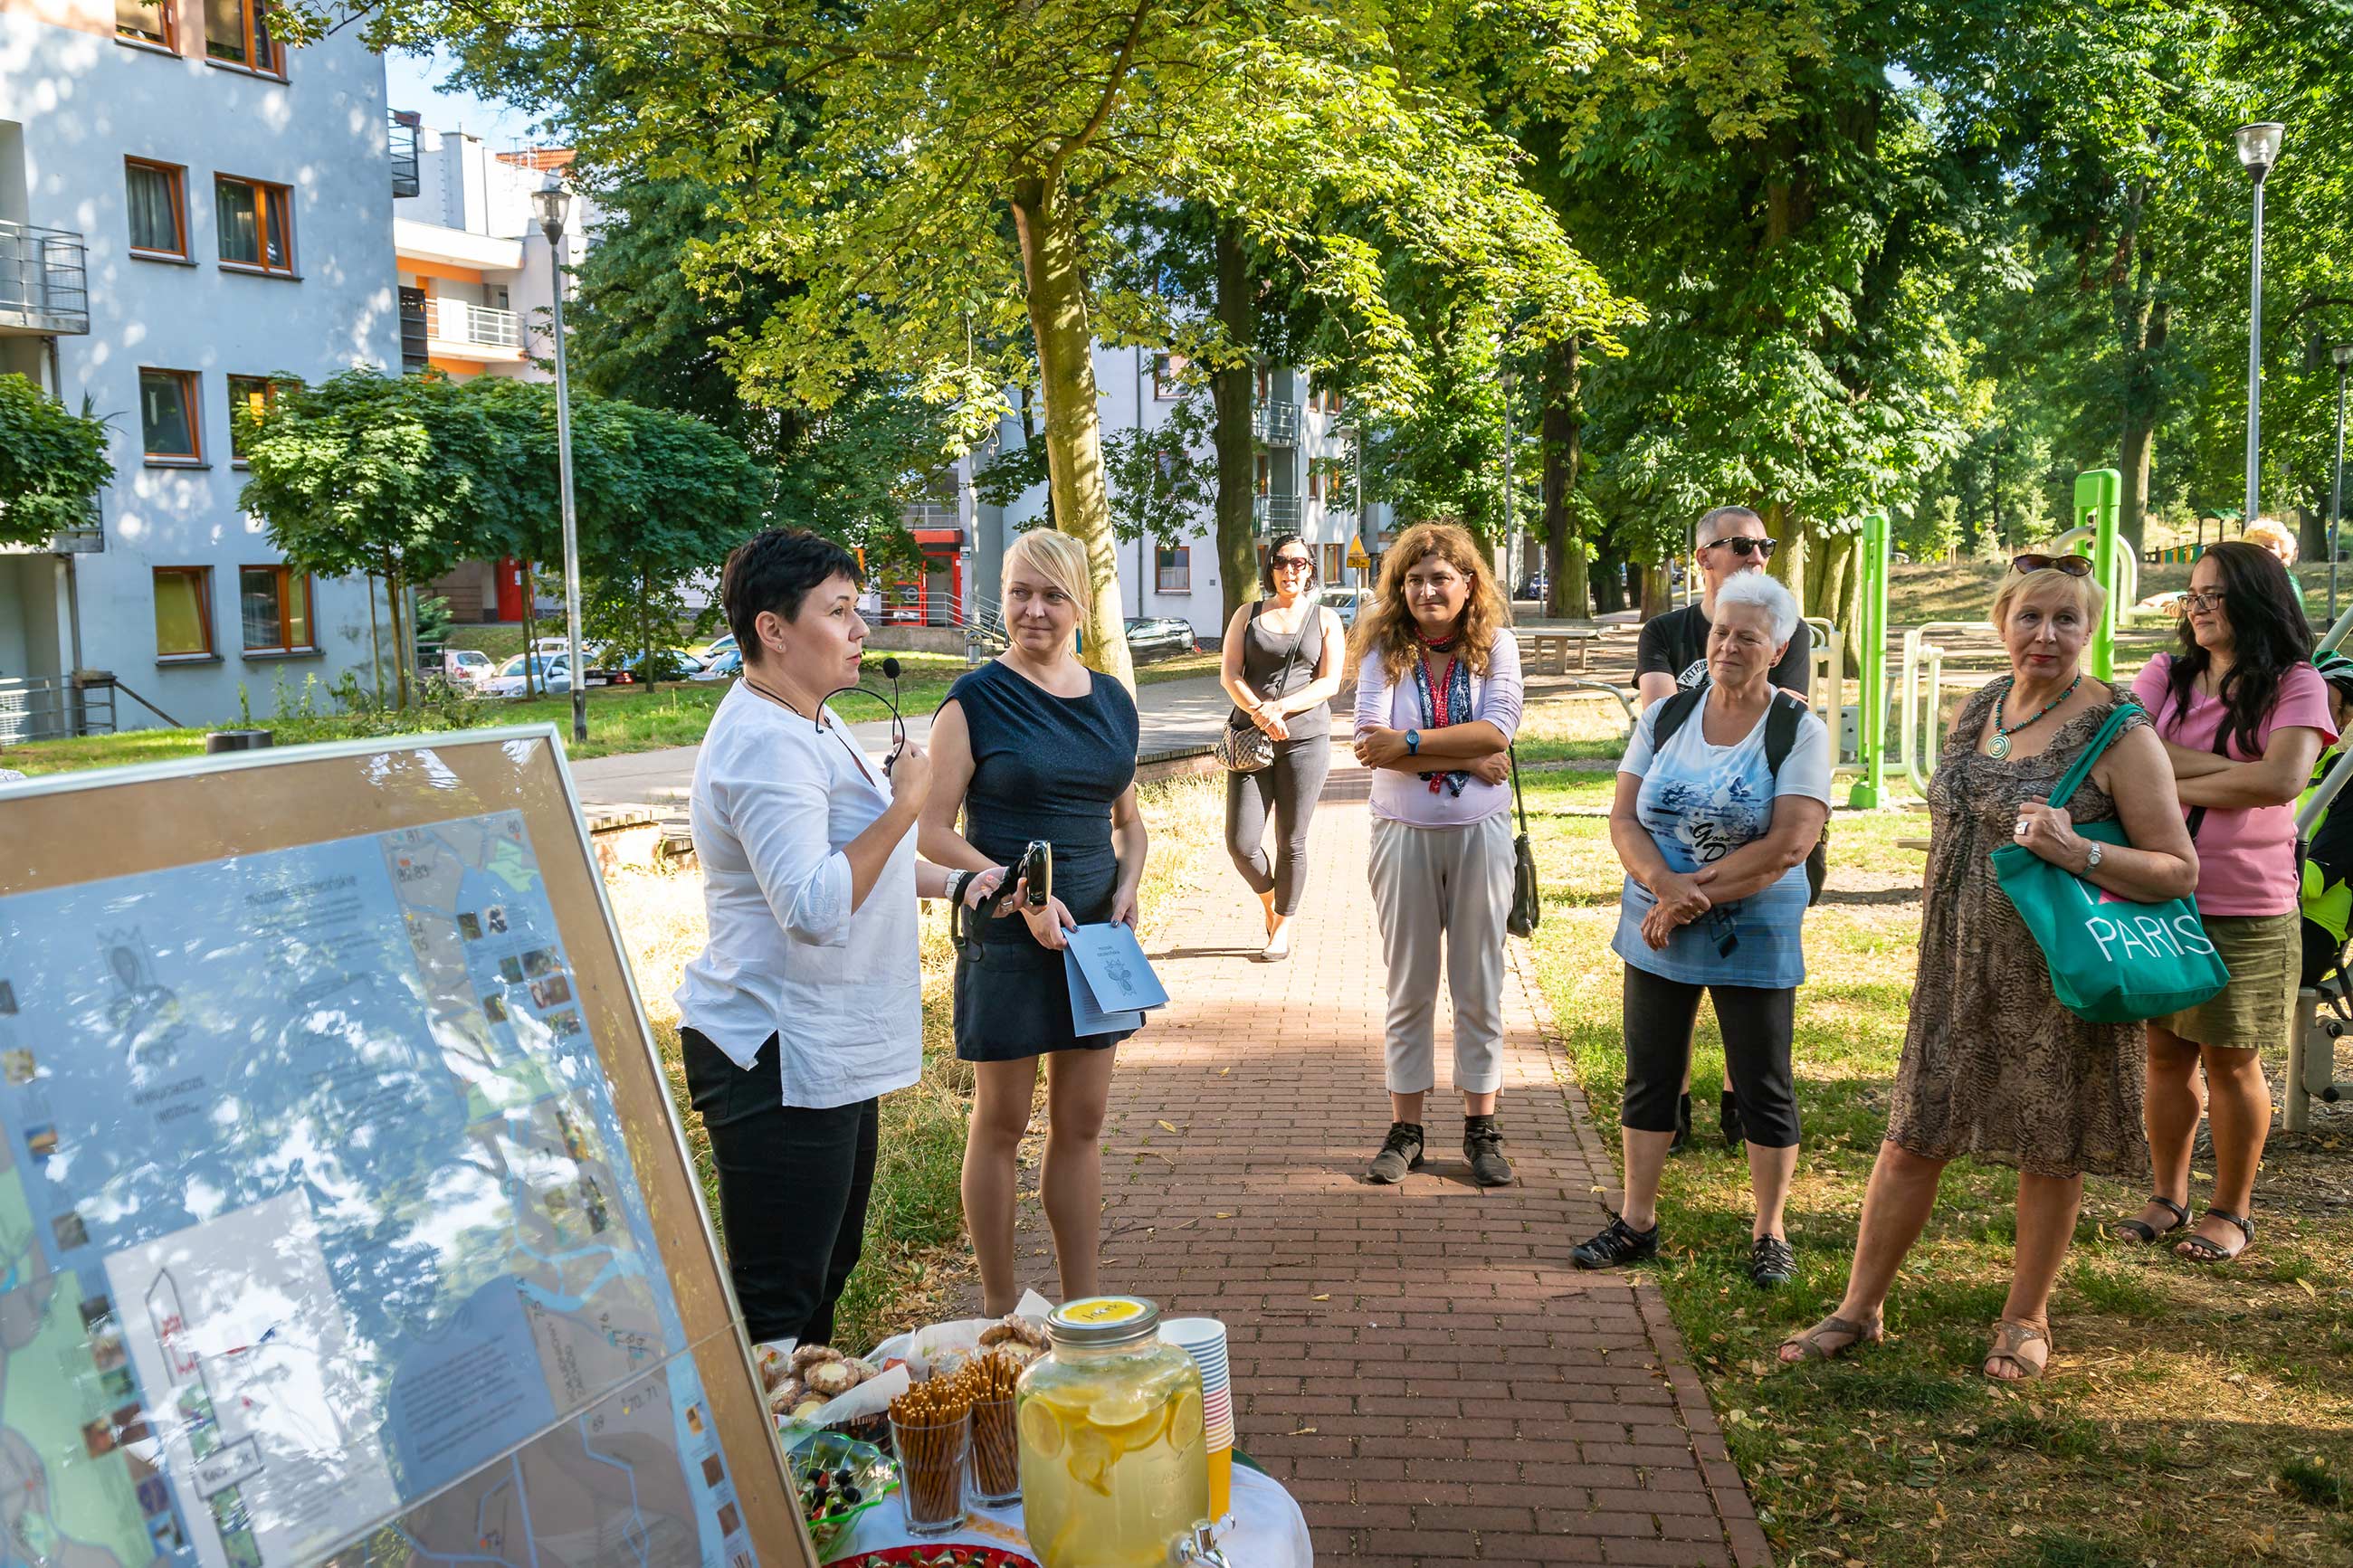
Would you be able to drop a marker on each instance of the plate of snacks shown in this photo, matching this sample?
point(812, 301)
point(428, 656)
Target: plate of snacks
point(838, 1480)
point(939, 1557)
point(802, 1382)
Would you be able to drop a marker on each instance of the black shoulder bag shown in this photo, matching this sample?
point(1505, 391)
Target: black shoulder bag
point(1527, 899)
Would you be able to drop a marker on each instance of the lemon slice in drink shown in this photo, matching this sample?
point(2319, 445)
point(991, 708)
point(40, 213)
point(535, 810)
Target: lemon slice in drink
point(1118, 1407)
point(1041, 1430)
point(1185, 1420)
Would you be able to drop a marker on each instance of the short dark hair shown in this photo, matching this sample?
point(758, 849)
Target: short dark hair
point(776, 569)
point(1266, 572)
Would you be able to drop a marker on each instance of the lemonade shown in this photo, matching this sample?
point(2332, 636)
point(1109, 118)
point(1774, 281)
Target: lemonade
point(1113, 1465)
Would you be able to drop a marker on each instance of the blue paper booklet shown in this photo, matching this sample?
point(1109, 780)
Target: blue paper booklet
point(1112, 982)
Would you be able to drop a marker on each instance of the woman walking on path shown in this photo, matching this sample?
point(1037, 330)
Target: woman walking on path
point(1723, 791)
point(1034, 746)
point(1438, 701)
point(1283, 662)
point(1993, 1066)
point(2243, 717)
point(809, 883)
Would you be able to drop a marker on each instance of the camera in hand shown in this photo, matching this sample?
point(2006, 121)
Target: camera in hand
point(1037, 870)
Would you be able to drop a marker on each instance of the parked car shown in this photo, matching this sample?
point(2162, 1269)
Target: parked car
point(1159, 636)
point(671, 664)
point(724, 664)
point(1345, 603)
point(465, 666)
point(552, 676)
point(1535, 586)
point(719, 646)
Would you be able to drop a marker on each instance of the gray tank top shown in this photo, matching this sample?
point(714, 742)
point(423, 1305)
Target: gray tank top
point(1264, 653)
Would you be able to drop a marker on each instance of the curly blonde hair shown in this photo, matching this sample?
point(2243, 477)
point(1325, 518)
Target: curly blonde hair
point(1387, 624)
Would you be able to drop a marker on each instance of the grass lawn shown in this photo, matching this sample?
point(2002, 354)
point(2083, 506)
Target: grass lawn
point(916, 1263)
point(620, 719)
point(2189, 1417)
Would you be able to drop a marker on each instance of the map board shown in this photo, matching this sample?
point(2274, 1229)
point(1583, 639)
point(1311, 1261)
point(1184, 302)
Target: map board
point(344, 1215)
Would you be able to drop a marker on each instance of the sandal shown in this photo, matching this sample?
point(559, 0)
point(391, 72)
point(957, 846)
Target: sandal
point(1810, 1345)
point(2197, 1250)
point(2012, 1341)
point(2140, 1231)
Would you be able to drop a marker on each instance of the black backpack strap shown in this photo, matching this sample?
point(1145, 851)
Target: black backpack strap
point(1673, 713)
point(1781, 721)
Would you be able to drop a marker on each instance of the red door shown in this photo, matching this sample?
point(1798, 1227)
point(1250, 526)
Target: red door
point(509, 574)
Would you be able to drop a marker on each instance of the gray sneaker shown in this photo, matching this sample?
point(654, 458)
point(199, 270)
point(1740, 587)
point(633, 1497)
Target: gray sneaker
point(1483, 1145)
point(1399, 1153)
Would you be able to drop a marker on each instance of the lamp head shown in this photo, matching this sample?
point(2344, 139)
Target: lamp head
point(2259, 146)
point(2343, 354)
point(550, 202)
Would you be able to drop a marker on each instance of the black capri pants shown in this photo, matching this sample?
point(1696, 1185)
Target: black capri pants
point(1757, 1024)
point(1289, 787)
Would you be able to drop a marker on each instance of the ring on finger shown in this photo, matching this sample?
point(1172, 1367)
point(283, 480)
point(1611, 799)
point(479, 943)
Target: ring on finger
point(2022, 829)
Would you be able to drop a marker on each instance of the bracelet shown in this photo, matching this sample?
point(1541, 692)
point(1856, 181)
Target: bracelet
point(957, 883)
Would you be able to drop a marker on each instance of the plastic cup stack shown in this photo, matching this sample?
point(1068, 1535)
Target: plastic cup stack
point(1204, 1338)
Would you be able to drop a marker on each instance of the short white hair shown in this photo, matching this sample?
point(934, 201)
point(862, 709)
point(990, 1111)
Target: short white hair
point(1759, 591)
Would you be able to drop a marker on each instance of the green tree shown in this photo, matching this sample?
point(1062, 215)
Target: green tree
point(52, 464)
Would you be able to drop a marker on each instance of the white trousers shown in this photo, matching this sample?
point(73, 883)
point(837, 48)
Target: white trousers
point(1450, 886)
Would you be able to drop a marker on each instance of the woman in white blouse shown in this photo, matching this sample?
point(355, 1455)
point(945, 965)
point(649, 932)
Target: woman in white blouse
point(807, 1006)
point(1438, 701)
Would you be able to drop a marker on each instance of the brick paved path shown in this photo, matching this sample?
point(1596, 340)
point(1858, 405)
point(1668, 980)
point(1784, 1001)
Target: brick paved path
point(1421, 1365)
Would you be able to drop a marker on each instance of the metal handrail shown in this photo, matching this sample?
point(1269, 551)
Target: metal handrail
point(1269, 512)
point(1920, 752)
point(53, 707)
point(1826, 683)
point(1275, 422)
point(457, 321)
point(44, 278)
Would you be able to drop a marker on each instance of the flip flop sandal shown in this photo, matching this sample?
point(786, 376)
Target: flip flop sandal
point(1810, 1344)
point(2201, 1250)
point(2140, 1232)
point(2010, 1342)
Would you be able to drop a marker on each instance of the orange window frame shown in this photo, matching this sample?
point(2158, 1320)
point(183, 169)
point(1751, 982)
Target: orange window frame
point(287, 581)
point(167, 16)
point(202, 576)
point(254, 390)
point(269, 202)
point(190, 390)
point(263, 53)
point(176, 176)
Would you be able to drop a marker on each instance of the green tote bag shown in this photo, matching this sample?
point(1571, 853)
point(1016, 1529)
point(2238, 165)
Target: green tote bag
point(2111, 962)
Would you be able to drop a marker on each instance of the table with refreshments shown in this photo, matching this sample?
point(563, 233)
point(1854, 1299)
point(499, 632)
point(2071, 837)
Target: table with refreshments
point(1092, 1436)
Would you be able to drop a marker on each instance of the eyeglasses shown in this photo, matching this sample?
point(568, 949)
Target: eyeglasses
point(1294, 563)
point(1744, 547)
point(2068, 566)
point(2198, 601)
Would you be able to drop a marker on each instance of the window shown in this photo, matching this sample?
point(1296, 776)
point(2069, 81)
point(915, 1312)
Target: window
point(1167, 369)
point(256, 223)
point(1324, 398)
point(1173, 566)
point(274, 603)
point(257, 394)
point(237, 34)
point(159, 208)
point(167, 415)
point(146, 21)
point(1336, 561)
point(1314, 482)
point(1265, 384)
point(183, 612)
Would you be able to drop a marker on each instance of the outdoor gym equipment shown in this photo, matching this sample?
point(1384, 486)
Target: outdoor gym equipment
point(2313, 1032)
point(1871, 711)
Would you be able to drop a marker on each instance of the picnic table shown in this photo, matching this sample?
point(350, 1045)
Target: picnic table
point(1547, 651)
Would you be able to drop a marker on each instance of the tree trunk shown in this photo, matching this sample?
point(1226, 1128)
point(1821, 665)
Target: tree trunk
point(1787, 566)
point(1658, 589)
point(1235, 446)
point(1563, 437)
point(1047, 220)
point(1835, 580)
point(646, 671)
point(1608, 584)
point(531, 627)
point(2131, 505)
point(376, 647)
point(2142, 321)
point(395, 589)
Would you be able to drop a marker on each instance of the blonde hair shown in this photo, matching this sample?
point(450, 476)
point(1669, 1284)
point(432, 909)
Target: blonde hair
point(1056, 557)
point(2090, 596)
point(1389, 627)
point(2274, 536)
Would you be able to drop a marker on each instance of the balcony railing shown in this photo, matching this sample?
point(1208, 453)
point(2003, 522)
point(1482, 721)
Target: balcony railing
point(1275, 513)
point(44, 280)
point(455, 322)
point(86, 539)
point(51, 706)
point(406, 177)
point(1275, 422)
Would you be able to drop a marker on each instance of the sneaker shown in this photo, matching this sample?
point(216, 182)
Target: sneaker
point(1400, 1152)
point(1682, 1126)
point(1483, 1145)
point(1619, 1243)
point(1770, 1262)
point(1728, 1117)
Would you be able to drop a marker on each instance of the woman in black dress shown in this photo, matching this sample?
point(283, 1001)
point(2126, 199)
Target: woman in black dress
point(1036, 745)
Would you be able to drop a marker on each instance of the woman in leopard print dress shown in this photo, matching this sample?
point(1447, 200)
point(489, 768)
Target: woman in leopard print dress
point(1993, 1066)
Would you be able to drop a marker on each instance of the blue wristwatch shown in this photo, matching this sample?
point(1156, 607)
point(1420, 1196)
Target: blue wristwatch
point(1413, 742)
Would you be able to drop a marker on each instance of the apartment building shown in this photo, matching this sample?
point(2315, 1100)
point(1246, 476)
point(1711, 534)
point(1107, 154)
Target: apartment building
point(188, 208)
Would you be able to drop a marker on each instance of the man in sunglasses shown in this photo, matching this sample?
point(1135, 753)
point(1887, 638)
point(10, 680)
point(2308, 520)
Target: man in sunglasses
point(1673, 656)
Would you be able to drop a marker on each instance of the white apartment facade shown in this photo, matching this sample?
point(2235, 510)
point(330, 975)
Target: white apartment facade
point(187, 209)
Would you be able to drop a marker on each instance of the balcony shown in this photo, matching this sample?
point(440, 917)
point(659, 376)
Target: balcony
point(1275, 422)
point(455, 329)
point(1275, 514)
point(87, 538)
point(44, 281)
point(406, 176)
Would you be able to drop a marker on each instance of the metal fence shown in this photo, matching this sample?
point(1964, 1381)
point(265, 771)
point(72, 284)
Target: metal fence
point(55, 707)
point(1275, 422)
point(44, 280)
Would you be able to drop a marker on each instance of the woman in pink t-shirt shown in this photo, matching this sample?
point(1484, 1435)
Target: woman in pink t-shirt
point(2243, 716)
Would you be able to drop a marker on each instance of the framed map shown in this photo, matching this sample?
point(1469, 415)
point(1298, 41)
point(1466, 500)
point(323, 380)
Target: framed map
point(345, 1217)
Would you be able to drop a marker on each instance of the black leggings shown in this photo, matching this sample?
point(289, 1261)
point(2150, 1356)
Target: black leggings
point(793, 1185)
point(1757, 1026)
point(1291, 784)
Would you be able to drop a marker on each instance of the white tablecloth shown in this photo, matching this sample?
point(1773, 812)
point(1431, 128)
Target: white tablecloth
point(1266, 1528)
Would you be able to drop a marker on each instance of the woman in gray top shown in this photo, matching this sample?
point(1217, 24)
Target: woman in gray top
point(1282, 661)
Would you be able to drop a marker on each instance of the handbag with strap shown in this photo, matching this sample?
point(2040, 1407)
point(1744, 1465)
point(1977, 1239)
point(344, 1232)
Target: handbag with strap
point(2111, 962)
point(1244, 748)
point(1782, 717)
point(1528, 898)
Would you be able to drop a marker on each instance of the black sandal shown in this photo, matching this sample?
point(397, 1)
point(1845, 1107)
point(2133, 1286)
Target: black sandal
point(2140, 1231)
point(2207, 1252)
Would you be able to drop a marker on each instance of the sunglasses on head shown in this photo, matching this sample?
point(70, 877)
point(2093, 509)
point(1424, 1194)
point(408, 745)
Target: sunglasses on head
point(2073, 565)
point(1743, 546)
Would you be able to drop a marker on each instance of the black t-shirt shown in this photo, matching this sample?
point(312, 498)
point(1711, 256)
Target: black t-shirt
point(1676, 643)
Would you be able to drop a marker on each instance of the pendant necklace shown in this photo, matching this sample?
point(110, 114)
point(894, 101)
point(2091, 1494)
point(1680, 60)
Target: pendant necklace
point(1999, 747)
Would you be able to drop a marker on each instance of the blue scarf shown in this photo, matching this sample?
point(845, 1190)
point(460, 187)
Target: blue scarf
point(1458, 711)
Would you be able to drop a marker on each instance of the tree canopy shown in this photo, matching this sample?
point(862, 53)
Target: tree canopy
point(52, 464)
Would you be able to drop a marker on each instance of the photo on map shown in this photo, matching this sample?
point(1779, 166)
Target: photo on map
point(553, 991)
point(730, 1521)
point(8, 999)
point(169, 1538)
point(106, 1350)
point(116, 1385)
point(98, 1314)
point(16, 1066)
point(42, 1141)
point(566, 1023)
point(131, 1424)
point(695, 1419)
point(469, 925)
point(154, 1496)
point(67, 1226)
point(98, 1438)
point(714, 1472)
point(540, 961)
point(511, 970)
point(494, 1008)
point(496, 918)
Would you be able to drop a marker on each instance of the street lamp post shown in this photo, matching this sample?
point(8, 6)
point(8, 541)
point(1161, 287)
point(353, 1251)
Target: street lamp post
point(552, 199)
point(1511, 538)
point(2259, 149)
point(2343, 354)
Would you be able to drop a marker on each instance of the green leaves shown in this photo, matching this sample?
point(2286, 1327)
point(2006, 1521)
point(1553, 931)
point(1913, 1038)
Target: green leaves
point(52, 464)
